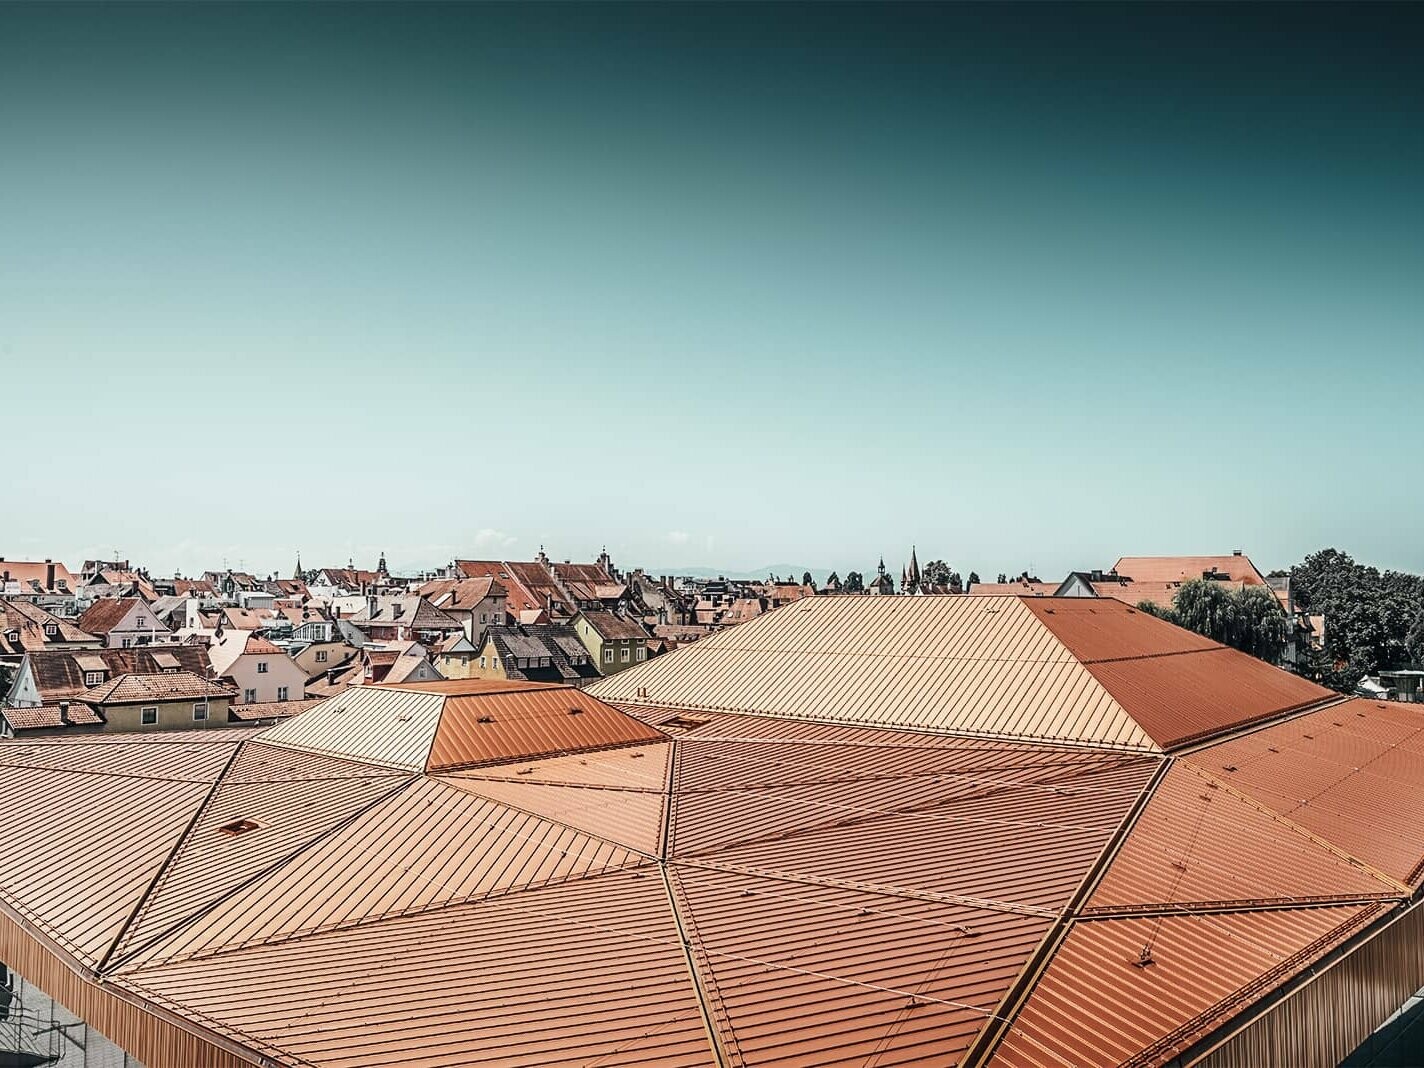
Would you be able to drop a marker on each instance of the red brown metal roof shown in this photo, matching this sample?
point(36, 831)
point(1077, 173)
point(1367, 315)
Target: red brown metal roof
point(1177, 685)
point(679, 886)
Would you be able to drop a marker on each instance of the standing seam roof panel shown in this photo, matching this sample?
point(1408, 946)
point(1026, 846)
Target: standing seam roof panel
point(392, 728)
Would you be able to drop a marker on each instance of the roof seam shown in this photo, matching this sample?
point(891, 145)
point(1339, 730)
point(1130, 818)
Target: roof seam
point(1325, 843)
point(163, 868)
point(187, 921)
point(1011, 1004)
point(713, 1033)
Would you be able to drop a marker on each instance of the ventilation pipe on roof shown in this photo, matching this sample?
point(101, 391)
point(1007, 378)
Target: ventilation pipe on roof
point(64, 713)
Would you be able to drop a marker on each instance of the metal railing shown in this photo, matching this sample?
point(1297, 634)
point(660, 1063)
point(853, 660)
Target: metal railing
point(27, 1040)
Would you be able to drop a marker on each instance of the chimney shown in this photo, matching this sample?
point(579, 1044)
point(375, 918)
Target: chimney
point(49, 575)
point(64, 713)
point(1235, 552)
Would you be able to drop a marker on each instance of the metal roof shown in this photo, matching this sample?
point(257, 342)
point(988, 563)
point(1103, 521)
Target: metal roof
point(981, 665)
point(655, 884)
point(1039, 668)
point(1098, 1004)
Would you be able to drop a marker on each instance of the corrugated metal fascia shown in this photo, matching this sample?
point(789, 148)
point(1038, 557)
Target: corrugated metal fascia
point(142, 1028)
point(1326, 1012)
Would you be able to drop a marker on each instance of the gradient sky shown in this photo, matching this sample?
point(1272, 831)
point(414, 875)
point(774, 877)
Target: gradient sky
point(732, 285)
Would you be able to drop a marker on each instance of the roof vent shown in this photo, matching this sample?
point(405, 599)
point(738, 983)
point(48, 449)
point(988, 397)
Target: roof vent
point(485, 719)
point(1144, 959)
point(575, 711)
point(642, 691)
point(238, 827)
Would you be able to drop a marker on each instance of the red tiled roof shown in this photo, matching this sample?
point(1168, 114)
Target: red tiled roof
point(169, 686)
point(1180, 568)
point(106, 613)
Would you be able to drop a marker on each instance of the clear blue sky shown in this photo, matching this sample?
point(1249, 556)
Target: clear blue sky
point(723, 285)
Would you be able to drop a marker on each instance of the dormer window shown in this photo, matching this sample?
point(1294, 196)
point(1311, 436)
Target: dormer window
point(51, 629)
point(13, 636)
point(93, 678)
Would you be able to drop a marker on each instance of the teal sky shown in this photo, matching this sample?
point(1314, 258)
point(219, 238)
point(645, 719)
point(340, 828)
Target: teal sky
point(1026, 285)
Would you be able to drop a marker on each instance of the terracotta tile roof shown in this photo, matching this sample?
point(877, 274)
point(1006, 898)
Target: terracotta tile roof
point(260, 711)
point(169, 686)
point(614, 628)
point(33, 575)
point(1022, 588)
point(106, 613)
point(461, 594)
point(1180, 568)
point(51, 716)
point(60, 672)
point(28, 622)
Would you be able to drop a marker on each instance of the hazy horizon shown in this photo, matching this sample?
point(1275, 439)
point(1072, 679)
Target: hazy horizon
point(1025, 286)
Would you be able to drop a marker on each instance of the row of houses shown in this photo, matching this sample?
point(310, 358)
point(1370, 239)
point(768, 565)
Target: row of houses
point(259, 648)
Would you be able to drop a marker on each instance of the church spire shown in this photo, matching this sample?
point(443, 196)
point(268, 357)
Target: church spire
point(913, 571)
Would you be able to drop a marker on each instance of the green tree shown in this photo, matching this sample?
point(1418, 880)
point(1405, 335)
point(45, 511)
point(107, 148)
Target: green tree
point(1249, 619)
point(854, 582)
point(973, 578)
point(806, 580)
point(1369, 614)
point(936, 573)
point(1261, 624)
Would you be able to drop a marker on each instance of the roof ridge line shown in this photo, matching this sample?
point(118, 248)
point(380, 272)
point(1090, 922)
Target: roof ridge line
point(385, 917)
point(901, 728)
point(438, 777)
point(163, 868)
point(714, 1034)
point(882, 889)
point(1303, 831)
point(281, 862)
point(1005, 1015)
point(1232, 907)
point(1159, 656)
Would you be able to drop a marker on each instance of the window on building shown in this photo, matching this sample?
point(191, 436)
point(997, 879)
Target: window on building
point(482, 663)
point(249, 697)
point(641, 653)
point(261, 667)
point(148, 716)
point(127, 642)
point(281, 693)
point(543, 661)
point(623, 654)
point(93, 678)
point(321, 656)
point(608, 655)
point(200, 712)
point(51, 630)
point(482, 617)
